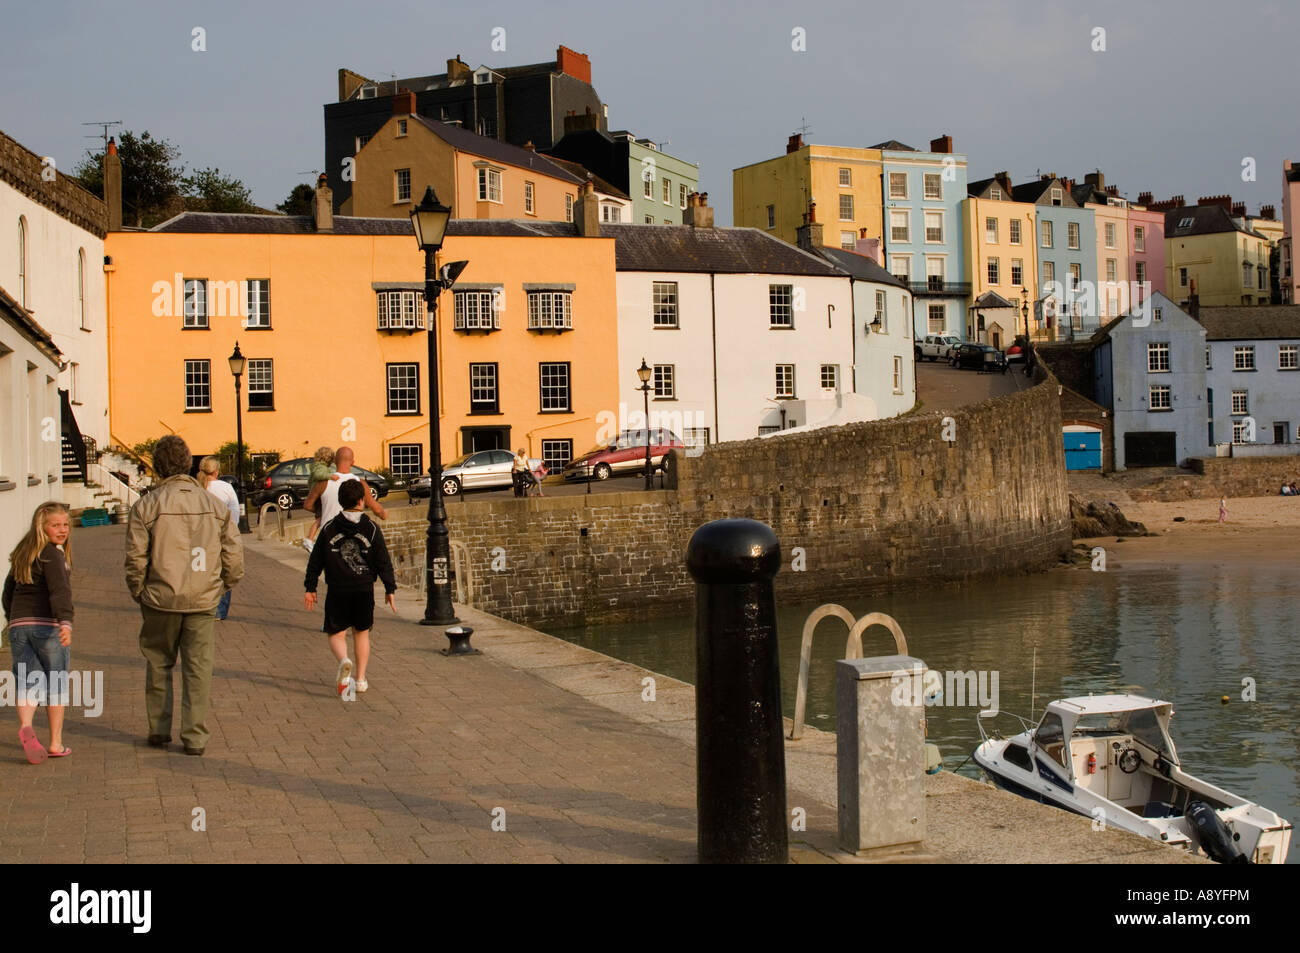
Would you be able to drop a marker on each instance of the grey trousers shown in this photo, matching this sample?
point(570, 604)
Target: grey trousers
point(162, 636)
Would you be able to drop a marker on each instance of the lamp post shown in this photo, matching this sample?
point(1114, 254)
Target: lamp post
point(237, 363)
point(644, 372)
point(429, 220)
point(1024, 309)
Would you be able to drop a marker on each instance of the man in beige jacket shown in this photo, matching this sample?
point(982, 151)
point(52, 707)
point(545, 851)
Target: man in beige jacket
point(182, 553)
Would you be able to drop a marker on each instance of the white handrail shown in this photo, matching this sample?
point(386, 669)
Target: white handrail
point(105, 478)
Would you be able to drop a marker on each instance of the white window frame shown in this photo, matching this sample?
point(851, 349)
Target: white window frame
point(846, 178)
point(258, 303)
point(198, 375)
point(1288, 357)
point(664, 380)
point(1160, 397)
point(831, 371)
point(489, 184)
point(261, 380)
point(993, 270)
point(894, 179)
point(780, 306)
point(933, 325)
point(846, 202)
point(665, 311)
point(1047, 236)
point(928, 178)
point(399, 310)
point(1017, 272)
point(484, 379)
point(1072, 236)
point(901, 235)
point(476, 310)
point(398, 183)
point(550, 310)
point(1108, 232)
point(196, 316)
point(784, 376)
point(530, 207)
point(930, 214)
point(1158, 357)
point(402, 372)
point(557, 388)
point(1014, 231)
point(898, 374)
point(1240, 403)
point(990, 230)
point(1139, 238)
point(1243, 357)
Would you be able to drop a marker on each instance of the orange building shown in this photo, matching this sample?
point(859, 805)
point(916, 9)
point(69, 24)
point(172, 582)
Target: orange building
point(478, 176)
point(330, 313)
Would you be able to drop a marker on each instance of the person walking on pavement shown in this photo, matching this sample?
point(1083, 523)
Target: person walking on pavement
point(37, 602)
point(210, 479)
point(1223, 509)
point(182, 553)
point(322, 469)
point(353, 553)
point(328, 492)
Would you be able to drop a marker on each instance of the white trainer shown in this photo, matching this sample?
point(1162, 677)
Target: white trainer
point(362, 685)
point(344, 674)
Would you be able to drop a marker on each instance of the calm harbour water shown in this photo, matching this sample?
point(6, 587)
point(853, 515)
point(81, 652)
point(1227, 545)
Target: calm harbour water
point(1189, 635)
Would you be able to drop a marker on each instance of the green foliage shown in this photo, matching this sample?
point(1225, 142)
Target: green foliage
point(207, 190)
point(151, 177)
point(255, 465)
point(299, 201)
point(143, 452)
point(394, 482)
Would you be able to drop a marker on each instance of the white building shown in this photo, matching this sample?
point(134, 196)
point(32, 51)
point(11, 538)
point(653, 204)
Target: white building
point(746, 334)
point(29, 422)
point(52, 265)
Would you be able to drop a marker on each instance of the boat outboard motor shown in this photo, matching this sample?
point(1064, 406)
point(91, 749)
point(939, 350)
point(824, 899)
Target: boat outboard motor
point(1215, 838)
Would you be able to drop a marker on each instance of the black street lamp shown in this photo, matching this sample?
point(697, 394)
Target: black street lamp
point(1024, 309)
point(429, 220)
point(644, 372)
point(237, 363)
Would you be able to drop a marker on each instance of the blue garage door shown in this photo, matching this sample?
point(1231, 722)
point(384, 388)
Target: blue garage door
point(1082, 450)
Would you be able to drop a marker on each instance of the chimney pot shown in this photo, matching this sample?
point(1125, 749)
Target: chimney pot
point(323, 205)
point(942, 144)
point(404, 103)
point(794, 143)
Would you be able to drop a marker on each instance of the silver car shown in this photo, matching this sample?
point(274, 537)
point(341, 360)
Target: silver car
point(484, 469)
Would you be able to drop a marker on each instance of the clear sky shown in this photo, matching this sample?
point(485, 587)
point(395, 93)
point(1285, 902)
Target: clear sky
point(1184, 91)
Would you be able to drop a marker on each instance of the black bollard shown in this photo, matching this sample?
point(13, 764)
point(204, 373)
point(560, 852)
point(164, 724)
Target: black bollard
point(740, 745)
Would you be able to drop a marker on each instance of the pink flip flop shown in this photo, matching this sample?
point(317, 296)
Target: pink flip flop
point(60, 754)
point(32, 746)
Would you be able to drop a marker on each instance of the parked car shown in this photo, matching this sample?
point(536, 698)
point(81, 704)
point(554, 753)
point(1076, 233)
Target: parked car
point(420, 487)
point(936, 347)
point(287, 484)
point(982, 357)
point(624, 454)
point(483, 469)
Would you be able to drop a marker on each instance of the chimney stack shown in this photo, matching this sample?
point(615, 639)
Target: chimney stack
point(404, 103)
point(1096, 180)
point(697, 213)
point(942, 144)
point(1225, 201)
point(322, 208)
point(794, 144)
point(1145, 198)
point(1239, 209)
point(1004, 180)
point(586, 212)
point(457, 69)
point(1112, 190)
point(1268, 213)
point(113, 186)
point(809, 235)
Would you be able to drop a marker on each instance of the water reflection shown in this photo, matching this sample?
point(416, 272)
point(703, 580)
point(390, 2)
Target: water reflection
point(1188, 635)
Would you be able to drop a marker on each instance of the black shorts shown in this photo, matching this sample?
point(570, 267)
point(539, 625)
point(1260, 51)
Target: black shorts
point(349, 609)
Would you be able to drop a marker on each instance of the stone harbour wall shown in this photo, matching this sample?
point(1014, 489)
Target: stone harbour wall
point(1214, 477)
point(870, 505)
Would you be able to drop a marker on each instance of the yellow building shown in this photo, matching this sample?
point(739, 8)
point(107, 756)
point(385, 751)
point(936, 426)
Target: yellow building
point(844, 183)
point(478, 176)
point(1226, 259)
point(1000, 249)
point(329, 312)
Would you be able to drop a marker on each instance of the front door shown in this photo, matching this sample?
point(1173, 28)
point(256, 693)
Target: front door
point(474, 439)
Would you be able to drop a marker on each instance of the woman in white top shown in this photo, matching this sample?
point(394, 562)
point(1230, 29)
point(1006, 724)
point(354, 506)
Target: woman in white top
point(210, 479)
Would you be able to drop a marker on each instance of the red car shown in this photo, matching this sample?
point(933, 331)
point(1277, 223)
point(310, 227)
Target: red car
point(625, 454)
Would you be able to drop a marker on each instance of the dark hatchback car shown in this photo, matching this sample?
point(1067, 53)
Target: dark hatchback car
point(982, 357)
point(287, 484)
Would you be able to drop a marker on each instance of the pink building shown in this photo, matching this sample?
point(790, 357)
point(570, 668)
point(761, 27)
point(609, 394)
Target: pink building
point(1146, 236)
point(1290, 274)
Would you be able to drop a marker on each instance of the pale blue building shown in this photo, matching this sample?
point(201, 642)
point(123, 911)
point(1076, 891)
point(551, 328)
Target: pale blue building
point(1066, 251)
point(922, 228)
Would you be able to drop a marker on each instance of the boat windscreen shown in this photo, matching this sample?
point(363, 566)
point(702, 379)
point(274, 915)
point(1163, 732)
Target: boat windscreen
point(1142, 724)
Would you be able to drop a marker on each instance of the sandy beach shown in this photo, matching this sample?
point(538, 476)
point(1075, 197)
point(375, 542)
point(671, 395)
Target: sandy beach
point(1260, 530)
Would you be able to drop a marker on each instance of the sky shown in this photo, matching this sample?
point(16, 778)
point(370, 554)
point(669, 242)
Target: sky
point(1182, 95)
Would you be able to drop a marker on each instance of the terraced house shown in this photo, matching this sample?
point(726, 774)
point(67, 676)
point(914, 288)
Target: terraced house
point(1110, 212)
point(843, 183)
point(1065, 235)
point(329, 311)
point(1207, 247)
point(924, 192)
point(1001, 259)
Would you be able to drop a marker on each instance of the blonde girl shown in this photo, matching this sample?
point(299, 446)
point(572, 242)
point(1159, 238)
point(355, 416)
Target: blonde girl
point(38, 604)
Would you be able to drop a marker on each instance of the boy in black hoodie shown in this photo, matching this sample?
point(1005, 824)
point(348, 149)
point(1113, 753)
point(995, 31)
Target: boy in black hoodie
point(352, 552)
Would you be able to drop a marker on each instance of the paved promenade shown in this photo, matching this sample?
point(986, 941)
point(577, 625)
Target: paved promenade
point(412, 771)
point(550, 738)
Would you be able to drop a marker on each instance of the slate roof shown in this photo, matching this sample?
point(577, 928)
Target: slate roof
point(227, 223)
point(1033, 192)
point(1246, 323)
point(466, 141)
point(27, 324)
point(893, 145)
point(419, 84)
point(1206, 220)
point(991, 299)
point(859, 266)
point(719, 250)
point(581, 171)
point(980, 186)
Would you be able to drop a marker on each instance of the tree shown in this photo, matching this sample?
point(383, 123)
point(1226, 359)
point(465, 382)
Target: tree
point(299, 201)
point(151, 176)
point(210, 191)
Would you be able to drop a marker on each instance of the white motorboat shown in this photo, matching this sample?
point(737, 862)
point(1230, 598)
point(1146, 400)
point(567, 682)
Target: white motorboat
point(1110, 757)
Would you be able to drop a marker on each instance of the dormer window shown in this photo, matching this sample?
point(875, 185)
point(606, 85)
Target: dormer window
point(489, 183)
point(995, 193)
point(1186, 222)
point(1056, 196)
